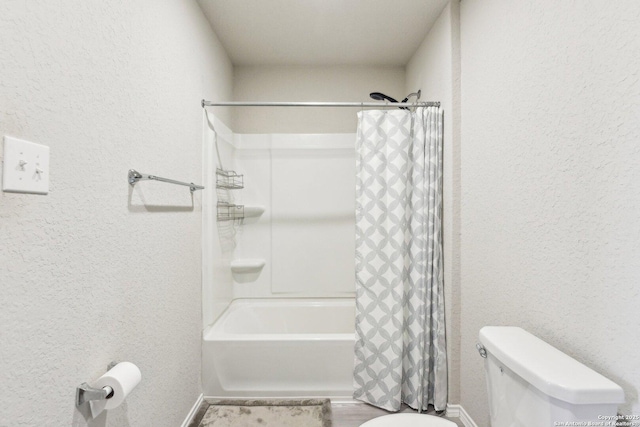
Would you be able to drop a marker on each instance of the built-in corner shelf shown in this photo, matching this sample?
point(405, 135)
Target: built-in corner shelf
point(254, 211)
point(232, 212)
point(247, 265)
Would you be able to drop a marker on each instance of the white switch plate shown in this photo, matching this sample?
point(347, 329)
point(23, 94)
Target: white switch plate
point(26, 167)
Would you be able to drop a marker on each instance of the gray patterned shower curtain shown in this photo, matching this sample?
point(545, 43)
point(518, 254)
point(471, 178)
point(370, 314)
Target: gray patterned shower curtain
point(400, 351)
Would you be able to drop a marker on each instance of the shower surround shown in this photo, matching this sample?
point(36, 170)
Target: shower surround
point(287, 329)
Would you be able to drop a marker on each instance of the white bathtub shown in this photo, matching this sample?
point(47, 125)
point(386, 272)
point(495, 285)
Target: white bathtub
point(280, 348)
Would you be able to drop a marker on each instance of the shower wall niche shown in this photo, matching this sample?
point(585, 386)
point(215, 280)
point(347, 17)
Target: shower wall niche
point(297, 238)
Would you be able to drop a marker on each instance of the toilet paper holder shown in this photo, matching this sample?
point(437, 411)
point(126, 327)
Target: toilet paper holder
point(85, 393)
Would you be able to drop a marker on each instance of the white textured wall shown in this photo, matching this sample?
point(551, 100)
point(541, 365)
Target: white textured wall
point(93, 272)
point(434, 68)
point(308, 83)
point(550, 173)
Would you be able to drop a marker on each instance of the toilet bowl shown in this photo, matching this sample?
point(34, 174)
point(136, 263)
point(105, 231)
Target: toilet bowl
point(408, 420)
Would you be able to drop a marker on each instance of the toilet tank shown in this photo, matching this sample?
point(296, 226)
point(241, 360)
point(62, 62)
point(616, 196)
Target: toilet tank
point(533, 384)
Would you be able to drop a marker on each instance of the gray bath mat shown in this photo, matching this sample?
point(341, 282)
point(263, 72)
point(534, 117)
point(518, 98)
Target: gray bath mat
point(267, 413)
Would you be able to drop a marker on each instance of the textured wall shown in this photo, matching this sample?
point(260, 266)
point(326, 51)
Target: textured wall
point(95, 272)
point(434, 68)
point(550, 195)
point(308, 83)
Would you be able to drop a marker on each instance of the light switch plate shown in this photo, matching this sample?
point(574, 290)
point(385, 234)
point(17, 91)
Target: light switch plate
point(26, 167)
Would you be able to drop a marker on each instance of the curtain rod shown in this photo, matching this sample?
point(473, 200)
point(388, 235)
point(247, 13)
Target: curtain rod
point(319, 104)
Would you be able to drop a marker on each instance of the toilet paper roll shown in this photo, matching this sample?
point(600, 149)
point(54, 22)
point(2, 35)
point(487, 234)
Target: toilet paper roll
point(122, 378)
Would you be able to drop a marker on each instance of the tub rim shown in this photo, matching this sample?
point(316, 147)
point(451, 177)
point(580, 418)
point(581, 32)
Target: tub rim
point(210, 334)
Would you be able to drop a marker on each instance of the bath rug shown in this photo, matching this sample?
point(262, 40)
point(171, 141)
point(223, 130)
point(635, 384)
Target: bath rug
point(268, 413)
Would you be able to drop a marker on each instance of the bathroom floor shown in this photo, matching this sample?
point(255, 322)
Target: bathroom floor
point(343, 414)
point(351, 414)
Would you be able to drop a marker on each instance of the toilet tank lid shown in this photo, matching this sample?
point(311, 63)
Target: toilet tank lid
point(548, 369)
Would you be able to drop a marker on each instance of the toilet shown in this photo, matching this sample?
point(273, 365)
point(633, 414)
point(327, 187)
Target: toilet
point(532, 384)
point(408, 420)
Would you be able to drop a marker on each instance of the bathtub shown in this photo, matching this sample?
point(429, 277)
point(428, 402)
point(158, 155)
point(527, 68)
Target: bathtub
point(264, 348)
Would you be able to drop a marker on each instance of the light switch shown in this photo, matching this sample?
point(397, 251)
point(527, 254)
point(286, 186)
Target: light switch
point(26, 167)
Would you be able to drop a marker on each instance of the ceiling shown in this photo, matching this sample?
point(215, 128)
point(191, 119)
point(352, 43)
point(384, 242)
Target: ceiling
point(321, 32)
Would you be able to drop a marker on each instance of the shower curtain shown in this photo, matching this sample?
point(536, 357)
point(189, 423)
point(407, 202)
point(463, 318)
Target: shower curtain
point(400, 351)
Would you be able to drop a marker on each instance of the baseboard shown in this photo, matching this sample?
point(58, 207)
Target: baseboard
point(458, 411)
point(452, 411)
point(192, 412)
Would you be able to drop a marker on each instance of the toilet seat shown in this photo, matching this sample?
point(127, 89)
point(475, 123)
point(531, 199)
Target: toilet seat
point(408, 420)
